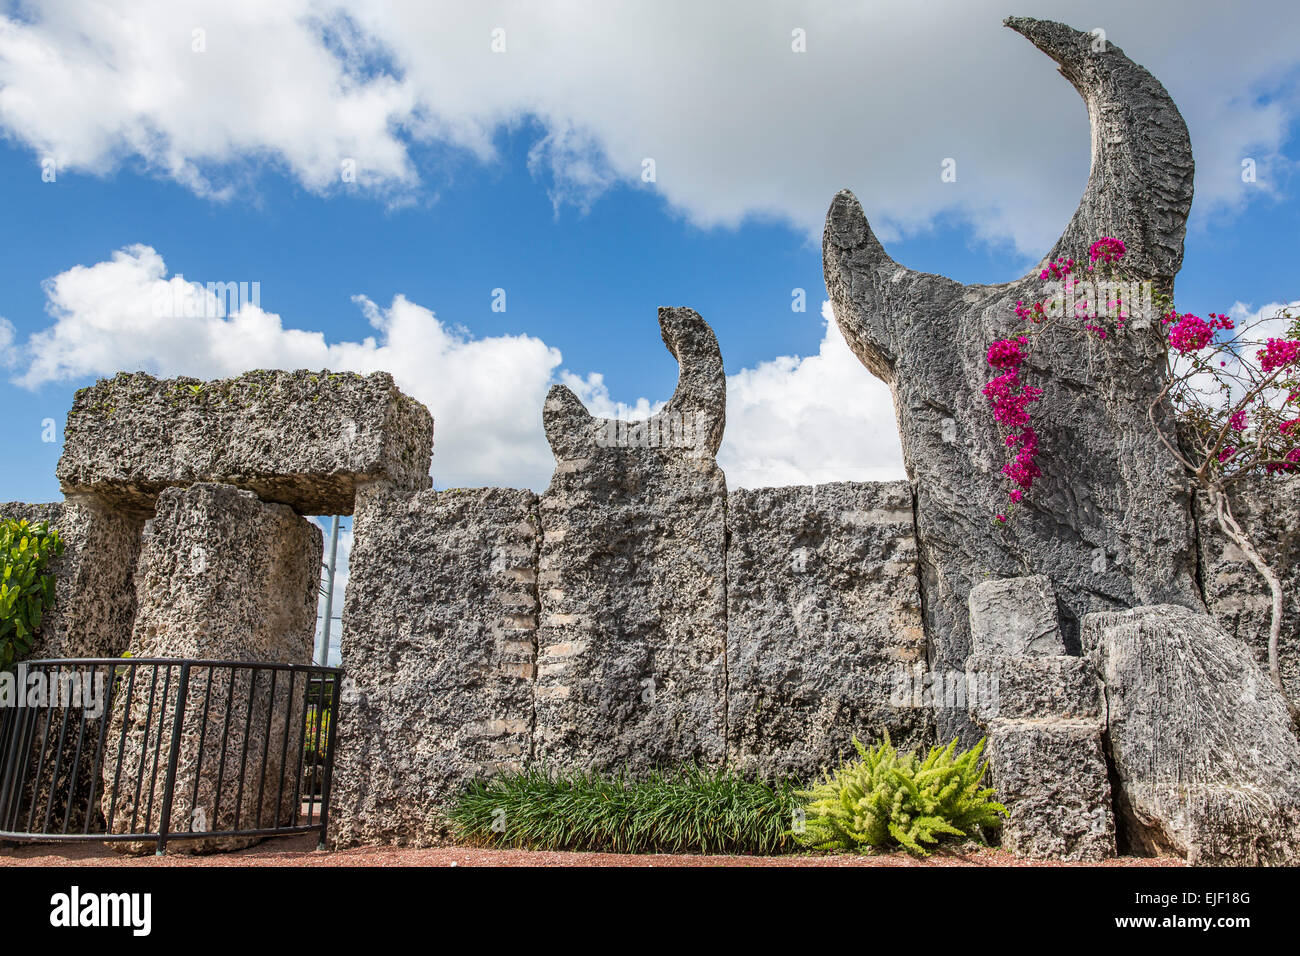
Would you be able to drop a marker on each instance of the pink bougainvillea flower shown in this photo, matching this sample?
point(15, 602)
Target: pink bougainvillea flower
point(1190, 334)
point(1278, 353)
point(1106, 249)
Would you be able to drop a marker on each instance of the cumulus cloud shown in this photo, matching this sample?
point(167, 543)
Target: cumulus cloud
point(824, 417)
point(7, 355)
point(486, 394)
point(790, 421)
point(737, 123)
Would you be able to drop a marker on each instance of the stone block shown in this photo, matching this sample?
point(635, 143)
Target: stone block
point(1207, 761)
point(305, 439)
point(1033, 688)
point(1268, 509)
point(1109, 519)
point(439, 648)
point(1051, 776)
point(1015, 617)
point(823, 624)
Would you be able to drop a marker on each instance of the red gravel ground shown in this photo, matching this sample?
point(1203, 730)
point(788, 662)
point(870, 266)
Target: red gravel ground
point(301, 851)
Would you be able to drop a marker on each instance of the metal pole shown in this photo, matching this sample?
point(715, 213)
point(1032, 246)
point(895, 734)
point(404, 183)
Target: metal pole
point(323, 648)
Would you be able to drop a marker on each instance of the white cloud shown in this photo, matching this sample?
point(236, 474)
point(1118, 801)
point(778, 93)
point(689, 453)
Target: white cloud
point(790, 421)
point(738, 125)
point(794, 421)
point(7, 355)
point(486, 394)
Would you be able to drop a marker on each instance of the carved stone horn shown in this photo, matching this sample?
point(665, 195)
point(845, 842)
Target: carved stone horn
point(1140, 186)
point(691, 423)
point(1139, 189)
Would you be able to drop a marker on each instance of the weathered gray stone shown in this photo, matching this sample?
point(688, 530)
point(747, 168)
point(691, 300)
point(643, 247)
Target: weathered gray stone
point(1015, 616)
point(1207, 761)
point(1109, 520)
point(306, 439)
point(1268, 510)
point(1051, 776)
point(632, 582)
point(221, 576)
point(1032, 688)
point(823, 622)
point(94, 602)
point(439, 651)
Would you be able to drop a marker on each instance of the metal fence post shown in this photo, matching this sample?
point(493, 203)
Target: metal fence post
point(329, 757)
point(169, 785)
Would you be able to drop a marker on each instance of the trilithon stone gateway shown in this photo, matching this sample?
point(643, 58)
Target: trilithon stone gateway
point(639, 613)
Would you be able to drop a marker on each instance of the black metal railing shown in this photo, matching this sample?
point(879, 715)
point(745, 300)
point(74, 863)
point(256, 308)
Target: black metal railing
point(146, 751)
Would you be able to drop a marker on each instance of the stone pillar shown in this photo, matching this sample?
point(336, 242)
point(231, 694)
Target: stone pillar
point(631, 643)
point(1041, 710)
point(94, 603)
point(222, 576)
point(438, 647)
point(824, 637)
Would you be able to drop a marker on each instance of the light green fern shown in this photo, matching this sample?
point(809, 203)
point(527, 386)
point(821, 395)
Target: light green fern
point(886, 798)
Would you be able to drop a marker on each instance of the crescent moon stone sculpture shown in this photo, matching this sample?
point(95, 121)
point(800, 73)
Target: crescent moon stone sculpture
point(1109, 521)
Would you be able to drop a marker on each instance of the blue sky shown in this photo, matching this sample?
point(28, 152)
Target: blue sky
point(208, 141)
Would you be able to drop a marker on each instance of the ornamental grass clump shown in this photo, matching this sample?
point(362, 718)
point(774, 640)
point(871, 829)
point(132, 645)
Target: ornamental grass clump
point(889, 799)
point(688, 810)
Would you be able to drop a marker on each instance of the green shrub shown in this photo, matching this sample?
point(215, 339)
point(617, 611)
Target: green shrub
point(688, 810)
point(887, 799)
point(25, 590)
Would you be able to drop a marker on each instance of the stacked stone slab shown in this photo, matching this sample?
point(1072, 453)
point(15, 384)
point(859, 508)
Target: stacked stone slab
point(1203, 747)
point(1268, 510)
point(439, 642)
point(94, 601)
point(632, 576)
point(1042, 712)
point(222, 576)
point(1108, 520)
point(305, 439)
point(823, 625)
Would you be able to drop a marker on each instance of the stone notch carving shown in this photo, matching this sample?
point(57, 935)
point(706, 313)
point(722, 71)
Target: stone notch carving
point(692, 422)
point(1109, 522)
point(631, 642)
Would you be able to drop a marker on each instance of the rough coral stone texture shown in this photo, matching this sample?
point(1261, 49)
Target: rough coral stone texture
point(306, 439)
point(221, 576)
point(823, 623)
point(94, 603)
point(632, 574)
point(1031, 688)
point(1108, 520)
point(1051, 775)
point(439, 648)
point(1201, 741)
point(1015, 616)
point(1268, 510)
